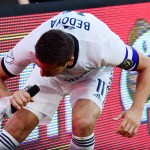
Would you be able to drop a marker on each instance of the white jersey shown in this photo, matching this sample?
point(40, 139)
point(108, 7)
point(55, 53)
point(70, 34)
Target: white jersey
point(95, 46)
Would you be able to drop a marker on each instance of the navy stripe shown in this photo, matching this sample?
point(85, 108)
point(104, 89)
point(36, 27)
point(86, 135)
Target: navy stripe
point(81, 145)
point(8, 140)
point(84, 143)
point(102, 92)
point(4, 142)
point(92, 138)
point(99, 85)
point(135, 59)
point(5, 69)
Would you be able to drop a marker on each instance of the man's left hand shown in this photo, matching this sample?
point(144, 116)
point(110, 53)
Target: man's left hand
point(131, 122)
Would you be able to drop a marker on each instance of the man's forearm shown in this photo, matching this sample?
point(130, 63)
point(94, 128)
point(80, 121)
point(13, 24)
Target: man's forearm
point(142, 88)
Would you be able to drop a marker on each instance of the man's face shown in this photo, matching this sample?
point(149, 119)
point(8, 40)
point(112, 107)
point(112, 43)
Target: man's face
point(50, 70)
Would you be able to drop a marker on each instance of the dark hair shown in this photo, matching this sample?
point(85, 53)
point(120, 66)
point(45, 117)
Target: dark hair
point(54, 47)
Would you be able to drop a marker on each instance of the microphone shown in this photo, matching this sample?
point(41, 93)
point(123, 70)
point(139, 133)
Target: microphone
point(32, 90)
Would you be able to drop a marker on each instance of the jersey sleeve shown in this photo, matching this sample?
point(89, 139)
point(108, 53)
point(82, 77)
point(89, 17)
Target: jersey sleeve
point(117, 53)
point(22, 54)
point(17, 59)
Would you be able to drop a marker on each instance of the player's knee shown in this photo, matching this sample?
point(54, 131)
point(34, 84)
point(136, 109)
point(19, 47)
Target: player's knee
point(82, 124)
point(15, 128)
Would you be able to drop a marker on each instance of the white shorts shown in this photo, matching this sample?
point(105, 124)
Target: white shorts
point(93, 86)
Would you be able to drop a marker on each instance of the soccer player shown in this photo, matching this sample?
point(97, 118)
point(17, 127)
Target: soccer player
point(74, 54)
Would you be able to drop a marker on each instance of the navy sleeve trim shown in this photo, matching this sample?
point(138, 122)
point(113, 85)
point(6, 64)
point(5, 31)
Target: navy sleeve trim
point(5, 69)
point(135, 59)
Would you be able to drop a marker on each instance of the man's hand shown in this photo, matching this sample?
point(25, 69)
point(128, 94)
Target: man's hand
point(20, 99)
point(131, 122)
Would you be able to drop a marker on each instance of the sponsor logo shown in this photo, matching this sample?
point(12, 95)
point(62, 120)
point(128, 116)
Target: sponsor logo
point(78, 77)
point(9, 57)
point(97, 96)
point(126, 64)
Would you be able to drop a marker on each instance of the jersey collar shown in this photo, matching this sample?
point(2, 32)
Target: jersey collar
point(76, 51)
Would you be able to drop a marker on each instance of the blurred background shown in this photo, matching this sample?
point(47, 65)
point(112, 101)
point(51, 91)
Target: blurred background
point(6, 2)
point(129, 19)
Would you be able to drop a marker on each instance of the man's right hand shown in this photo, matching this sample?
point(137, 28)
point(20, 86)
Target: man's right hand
point(20, 99)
